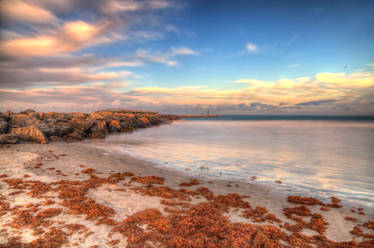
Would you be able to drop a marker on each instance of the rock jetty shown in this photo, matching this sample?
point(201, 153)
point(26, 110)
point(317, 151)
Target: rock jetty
point(40, 127)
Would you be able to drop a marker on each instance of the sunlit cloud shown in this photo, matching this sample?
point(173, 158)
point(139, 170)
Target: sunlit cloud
point(70, 37)
point(252, 48)
point(23, 11)
point(284, 96)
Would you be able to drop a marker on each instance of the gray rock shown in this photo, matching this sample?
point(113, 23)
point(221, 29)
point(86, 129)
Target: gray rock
point(82, 124)
point(31, 133)
point(75, 135)
point(99, 129)
point(18, 120)
point(8, 139)
point(28, 111)
point(4, 126)
point(56, 139)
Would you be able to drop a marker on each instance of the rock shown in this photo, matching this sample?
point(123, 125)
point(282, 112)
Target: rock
point(71, 115)
point(4, 126)
point(114, 126)
point(62, 128)
point(142, 122)
point(55, 116)
point(126, 126)
point(6, 115)
point(31, 133)
point(18, 120)
point(30, 121)
point(154, 119)
point(28, 111)
point(99, 129)
point(82, 124)
point(55, 139)
point(8, 139)
point(76, 135)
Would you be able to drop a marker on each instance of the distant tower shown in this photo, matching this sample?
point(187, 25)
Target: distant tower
point(208, 112)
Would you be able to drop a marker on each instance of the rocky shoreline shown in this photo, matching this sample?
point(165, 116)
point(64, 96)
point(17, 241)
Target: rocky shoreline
point(41, 127)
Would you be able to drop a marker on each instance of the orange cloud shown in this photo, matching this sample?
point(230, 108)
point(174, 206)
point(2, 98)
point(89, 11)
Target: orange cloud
point(17, 10)
point(70, 37)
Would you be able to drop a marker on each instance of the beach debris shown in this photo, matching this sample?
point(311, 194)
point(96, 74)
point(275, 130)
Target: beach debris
point(303, 200)
point(148, 180)
point(348, 218)
point(191, 182)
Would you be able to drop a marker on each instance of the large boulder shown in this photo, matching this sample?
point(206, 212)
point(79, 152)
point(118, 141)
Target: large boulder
point(142, 122)
point(8, 138)
point(99, 129)
point(82, 124)
point(114, 126)
point(101, 115)
point(126, 126)
point(62, 128)
point(18, 120)
point(30, 121)
point(4, 126)
point(54, 116)
point(6, 115)
point(71, 115)
point(31, 133)
point(75, 135)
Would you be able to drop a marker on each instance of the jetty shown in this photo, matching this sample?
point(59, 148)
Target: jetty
point(192, 116)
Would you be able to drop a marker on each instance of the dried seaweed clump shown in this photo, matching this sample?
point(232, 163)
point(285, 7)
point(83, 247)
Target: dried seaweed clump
point(148, 180)
point(260, 214)
point(348, 218)
point(203, 225)
point(192, 182)
point(299, 211)
point(370, 224)
point(304, 200)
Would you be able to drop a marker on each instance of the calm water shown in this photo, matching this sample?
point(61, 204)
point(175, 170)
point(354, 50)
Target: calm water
point(324, 157)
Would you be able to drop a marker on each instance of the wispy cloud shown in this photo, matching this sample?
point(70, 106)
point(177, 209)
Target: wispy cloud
point(164, 58)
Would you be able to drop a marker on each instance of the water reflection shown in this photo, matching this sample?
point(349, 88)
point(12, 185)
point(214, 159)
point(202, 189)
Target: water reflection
point(319, 156)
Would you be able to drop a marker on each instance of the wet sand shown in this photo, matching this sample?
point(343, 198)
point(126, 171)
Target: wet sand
point(66, 161)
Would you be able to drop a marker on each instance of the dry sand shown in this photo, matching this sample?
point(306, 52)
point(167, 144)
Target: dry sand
point(19, 160)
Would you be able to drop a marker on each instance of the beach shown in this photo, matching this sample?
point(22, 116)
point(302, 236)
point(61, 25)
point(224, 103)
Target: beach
point(137, 203)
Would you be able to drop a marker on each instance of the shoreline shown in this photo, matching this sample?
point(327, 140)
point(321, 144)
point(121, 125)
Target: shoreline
point(127, 202)
point(279, 189)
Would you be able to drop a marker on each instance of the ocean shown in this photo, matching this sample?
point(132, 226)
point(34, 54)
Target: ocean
point(322, 156)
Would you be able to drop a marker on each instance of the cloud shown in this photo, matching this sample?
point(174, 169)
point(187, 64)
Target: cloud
point(20, 11)
point(70, 37)
point(23, 78)
point(252, 48)
point(182, 51)
point(315, 103)
point(116, 6)
point(305, 95)
point(163, 58)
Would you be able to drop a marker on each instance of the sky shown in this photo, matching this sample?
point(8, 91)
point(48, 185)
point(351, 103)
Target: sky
point(185, 57)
